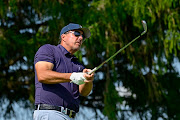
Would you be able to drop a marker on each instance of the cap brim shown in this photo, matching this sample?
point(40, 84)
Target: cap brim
point(86, 32)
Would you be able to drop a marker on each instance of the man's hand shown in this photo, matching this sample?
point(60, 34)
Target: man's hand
point(88, 78)
point(82, 77)
point(77, 78)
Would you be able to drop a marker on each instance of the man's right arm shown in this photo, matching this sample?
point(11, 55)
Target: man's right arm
point(46, 75)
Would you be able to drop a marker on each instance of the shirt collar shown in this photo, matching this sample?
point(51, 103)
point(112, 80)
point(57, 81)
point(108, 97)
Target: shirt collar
point(66, 53)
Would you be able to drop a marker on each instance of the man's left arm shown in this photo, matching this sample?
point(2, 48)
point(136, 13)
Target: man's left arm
point(86, 88)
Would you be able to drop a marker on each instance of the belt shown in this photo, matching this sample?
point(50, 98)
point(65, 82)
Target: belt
point(66, 111)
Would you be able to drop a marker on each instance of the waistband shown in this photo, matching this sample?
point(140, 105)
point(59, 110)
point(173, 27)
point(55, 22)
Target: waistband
point(66, 111)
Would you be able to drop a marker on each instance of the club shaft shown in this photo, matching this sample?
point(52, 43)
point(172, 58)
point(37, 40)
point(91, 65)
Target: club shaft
point(96, 68)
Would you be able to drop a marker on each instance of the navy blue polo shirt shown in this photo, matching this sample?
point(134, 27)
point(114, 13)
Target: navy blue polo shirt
point(62, 94)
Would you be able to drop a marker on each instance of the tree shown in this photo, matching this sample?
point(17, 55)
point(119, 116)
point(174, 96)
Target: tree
point(145, 68)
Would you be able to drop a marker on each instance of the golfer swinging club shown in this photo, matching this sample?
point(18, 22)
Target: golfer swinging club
point(59, 77)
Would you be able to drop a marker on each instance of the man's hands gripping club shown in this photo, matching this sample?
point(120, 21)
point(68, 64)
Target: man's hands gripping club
point(82, 77)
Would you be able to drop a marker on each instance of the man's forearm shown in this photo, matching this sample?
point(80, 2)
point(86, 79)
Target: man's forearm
point(86, 88)
point(52, 77)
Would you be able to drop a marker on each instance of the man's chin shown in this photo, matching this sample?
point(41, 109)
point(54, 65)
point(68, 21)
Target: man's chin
point(77, 47)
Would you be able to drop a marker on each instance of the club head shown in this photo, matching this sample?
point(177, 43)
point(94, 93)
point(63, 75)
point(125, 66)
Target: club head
point(144, 26)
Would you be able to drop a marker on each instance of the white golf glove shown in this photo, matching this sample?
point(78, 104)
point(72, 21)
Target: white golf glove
point(77, 78)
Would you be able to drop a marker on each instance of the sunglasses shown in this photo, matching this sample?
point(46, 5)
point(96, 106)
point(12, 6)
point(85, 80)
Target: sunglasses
point(76, 33)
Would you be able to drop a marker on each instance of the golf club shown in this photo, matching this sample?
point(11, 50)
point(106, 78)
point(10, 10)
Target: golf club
point(145, 30)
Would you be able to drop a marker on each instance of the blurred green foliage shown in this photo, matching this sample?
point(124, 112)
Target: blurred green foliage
point(146, 69)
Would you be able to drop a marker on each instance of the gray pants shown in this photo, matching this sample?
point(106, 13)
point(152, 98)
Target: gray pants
point(50, 115)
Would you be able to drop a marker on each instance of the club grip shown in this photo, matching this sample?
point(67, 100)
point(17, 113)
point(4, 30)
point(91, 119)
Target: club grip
point(93, 70)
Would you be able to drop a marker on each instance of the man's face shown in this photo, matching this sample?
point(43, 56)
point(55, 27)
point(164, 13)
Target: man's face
point(73, 40)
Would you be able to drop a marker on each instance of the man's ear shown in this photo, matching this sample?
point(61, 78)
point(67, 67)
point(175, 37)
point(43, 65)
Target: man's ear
point(62, 37)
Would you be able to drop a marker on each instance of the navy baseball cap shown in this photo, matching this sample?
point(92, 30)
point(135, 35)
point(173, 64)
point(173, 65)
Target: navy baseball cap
point(73, 26)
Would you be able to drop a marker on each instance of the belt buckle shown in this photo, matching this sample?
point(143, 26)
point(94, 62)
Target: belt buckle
point(64, 110)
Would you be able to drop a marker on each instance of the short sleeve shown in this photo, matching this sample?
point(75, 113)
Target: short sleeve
point(45, 53)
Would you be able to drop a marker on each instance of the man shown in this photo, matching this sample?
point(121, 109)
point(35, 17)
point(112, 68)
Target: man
point(59, 77)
